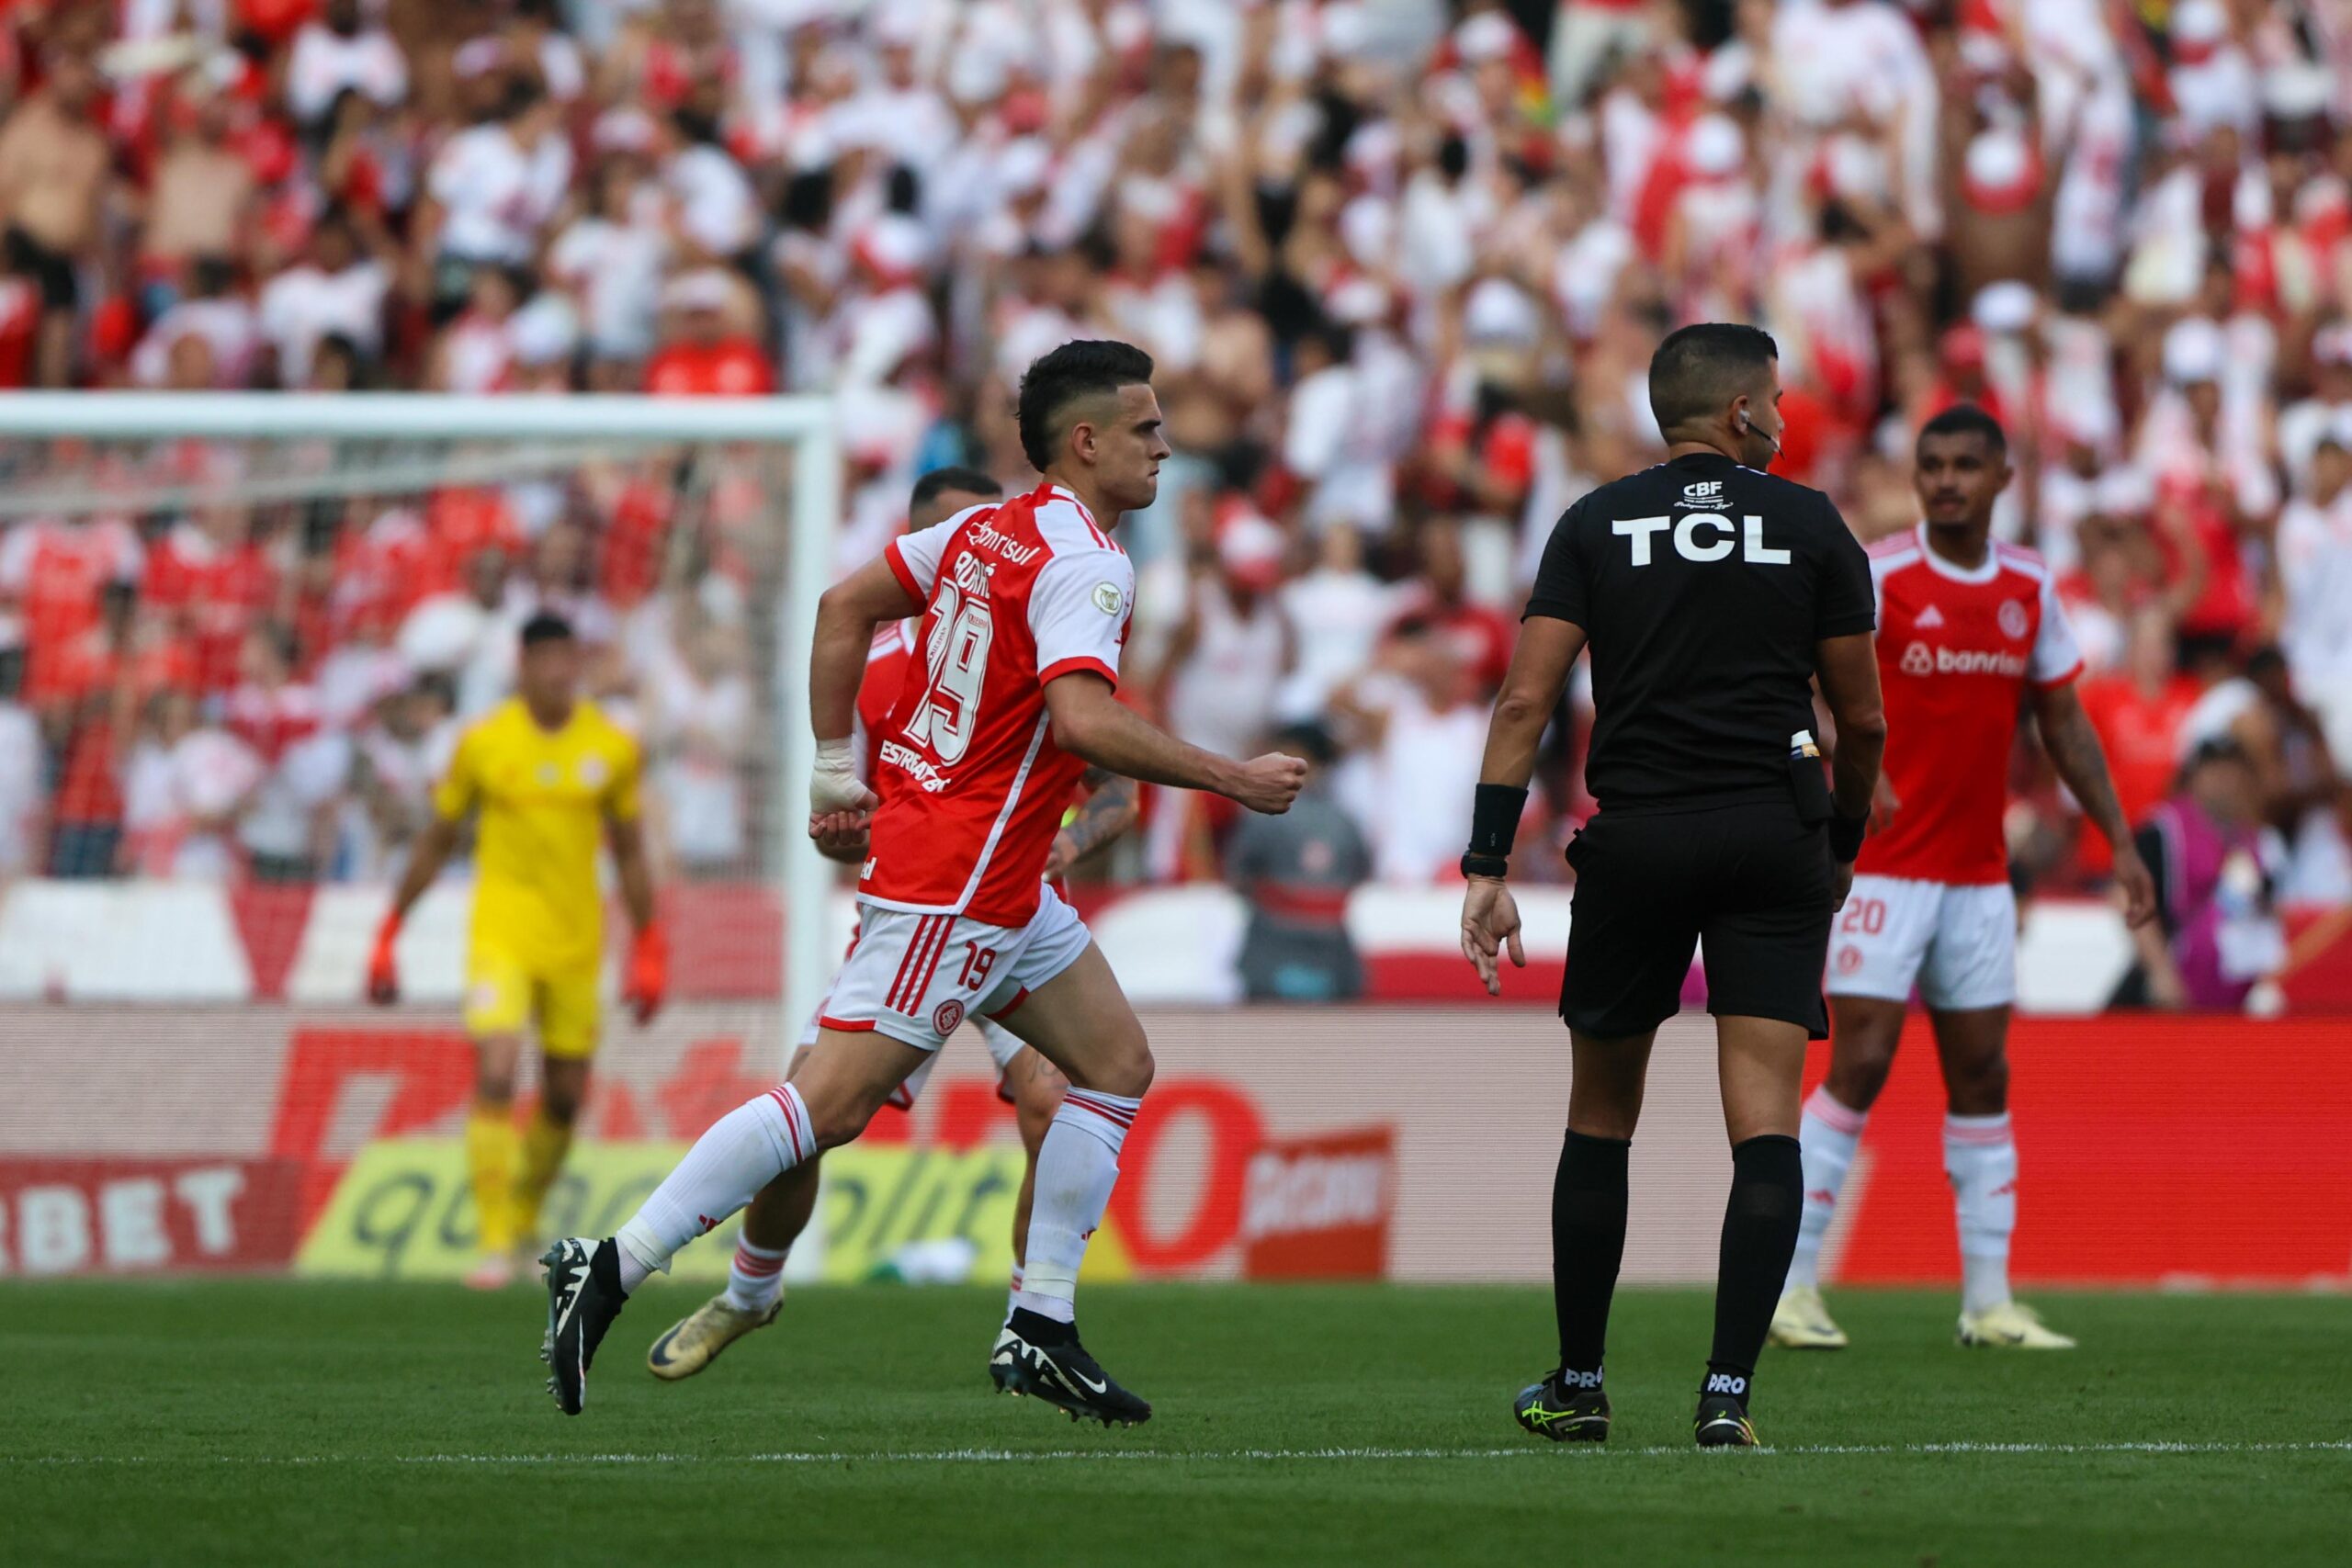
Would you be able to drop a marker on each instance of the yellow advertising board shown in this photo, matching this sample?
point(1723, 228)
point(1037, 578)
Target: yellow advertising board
point(404, 1210)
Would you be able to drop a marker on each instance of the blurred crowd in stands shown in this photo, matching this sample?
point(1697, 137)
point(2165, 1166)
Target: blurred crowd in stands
point(1401, 263)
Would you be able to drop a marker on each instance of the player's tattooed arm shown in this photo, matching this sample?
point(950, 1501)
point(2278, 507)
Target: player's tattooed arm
point(2068, 735)
point(1108, 811)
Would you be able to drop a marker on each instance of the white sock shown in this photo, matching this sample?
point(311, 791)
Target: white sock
point(1828, 1133)
point(1075, 1168)
point(1012, 1296)
point(1981, 1157)
point(755, 1279)
point(744, 1150)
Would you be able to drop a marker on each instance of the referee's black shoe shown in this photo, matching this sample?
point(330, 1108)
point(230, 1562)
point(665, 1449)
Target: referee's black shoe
point(1722, 1423)
point(1562, 1415)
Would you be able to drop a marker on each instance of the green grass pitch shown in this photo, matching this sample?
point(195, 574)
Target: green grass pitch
point(273, 1422)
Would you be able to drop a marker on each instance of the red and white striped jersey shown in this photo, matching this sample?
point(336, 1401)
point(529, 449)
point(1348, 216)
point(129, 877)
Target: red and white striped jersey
point(972, 783)
point(1956, 651)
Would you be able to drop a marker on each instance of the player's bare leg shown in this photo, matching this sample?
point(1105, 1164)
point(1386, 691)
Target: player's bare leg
point(547, 1140)
point(1760, 1064)
point(1080, 1021)
point(494, 1159)
point(1863, 1034)
point(845, 1079)
point(1589, 1198)
point(1981, 1157)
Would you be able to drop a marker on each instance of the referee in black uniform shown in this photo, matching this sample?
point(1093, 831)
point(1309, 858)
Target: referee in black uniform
point(1711, 594)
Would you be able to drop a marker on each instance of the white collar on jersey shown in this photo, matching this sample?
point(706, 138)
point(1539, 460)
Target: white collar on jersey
point(1986, 572)
point(1071, 497)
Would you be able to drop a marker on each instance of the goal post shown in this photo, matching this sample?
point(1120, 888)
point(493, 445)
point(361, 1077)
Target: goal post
point(416, 441)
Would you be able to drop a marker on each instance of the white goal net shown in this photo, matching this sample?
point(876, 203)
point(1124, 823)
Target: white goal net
point(240, 629)
point(238, 638)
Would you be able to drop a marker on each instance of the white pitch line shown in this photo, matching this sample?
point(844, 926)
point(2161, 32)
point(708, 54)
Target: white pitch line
point(1163, 1456)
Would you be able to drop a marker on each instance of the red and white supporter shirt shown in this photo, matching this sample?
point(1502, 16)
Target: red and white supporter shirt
point(52, 573)
point(1956, 651)
point(972, 783)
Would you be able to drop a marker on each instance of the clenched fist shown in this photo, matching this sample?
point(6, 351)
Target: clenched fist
point(1269, 784)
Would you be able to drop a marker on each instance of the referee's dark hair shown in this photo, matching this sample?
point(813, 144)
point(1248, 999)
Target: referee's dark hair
point(1087, 368)
point(963, 481)
point(1967, 419)
point(546, 626)
point(1700, 367)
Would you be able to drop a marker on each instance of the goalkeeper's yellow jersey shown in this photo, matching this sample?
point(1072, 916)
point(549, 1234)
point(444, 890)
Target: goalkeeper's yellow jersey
point(544, 796)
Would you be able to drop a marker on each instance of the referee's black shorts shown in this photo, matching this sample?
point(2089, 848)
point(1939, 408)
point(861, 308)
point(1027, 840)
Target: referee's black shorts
point(1751, 882)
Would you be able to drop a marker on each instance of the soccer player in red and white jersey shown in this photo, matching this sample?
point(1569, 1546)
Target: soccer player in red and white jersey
point(1024, 611)
point(1969, 632)
point(782, 1209)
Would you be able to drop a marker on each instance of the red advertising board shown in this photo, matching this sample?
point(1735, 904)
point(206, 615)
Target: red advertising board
point(1318, 1208)
point(2154, 1149)
point(145, 1216)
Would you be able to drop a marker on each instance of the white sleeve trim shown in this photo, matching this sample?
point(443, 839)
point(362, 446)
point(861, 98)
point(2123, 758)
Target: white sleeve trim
point(1079, 607)
point(2056, 655)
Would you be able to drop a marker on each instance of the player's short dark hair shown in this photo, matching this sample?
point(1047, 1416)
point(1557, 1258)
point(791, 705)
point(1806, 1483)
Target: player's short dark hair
point(1967, 419)
point(963, 481)
point(1086, 368)
point(546, 626)
point(1703, 365)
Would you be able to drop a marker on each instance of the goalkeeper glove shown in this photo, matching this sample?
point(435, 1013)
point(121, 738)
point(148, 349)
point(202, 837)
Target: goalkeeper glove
point(383, 970)
point(649, 972)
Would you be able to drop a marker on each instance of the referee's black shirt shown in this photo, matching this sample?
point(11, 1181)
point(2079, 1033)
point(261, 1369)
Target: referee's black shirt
point(1703, 587)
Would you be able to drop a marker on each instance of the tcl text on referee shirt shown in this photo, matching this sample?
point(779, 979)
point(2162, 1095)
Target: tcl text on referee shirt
point(1703, 587)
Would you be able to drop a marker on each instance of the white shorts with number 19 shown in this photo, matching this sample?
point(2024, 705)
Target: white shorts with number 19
point(1958, 942)
point(917, 978)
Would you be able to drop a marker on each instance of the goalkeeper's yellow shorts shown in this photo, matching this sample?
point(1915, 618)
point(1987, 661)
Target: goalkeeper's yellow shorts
point(504, 996)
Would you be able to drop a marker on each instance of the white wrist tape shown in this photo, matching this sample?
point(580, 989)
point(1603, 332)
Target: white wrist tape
point(833, 784)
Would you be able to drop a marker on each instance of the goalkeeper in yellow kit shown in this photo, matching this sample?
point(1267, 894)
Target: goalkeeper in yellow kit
point(550, 776)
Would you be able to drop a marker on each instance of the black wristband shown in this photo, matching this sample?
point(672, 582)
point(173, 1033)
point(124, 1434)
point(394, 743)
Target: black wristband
point(1846, 837)
point(1476, 864)
point(1494, 819)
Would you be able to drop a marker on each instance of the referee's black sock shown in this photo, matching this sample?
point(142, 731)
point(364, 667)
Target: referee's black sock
point(1759, 1236)
point(1588, 1243)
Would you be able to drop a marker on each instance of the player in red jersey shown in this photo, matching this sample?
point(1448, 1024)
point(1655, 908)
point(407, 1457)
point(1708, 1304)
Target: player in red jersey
point(1969, 631)
point(1026, 1079)
point(1024, 611)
